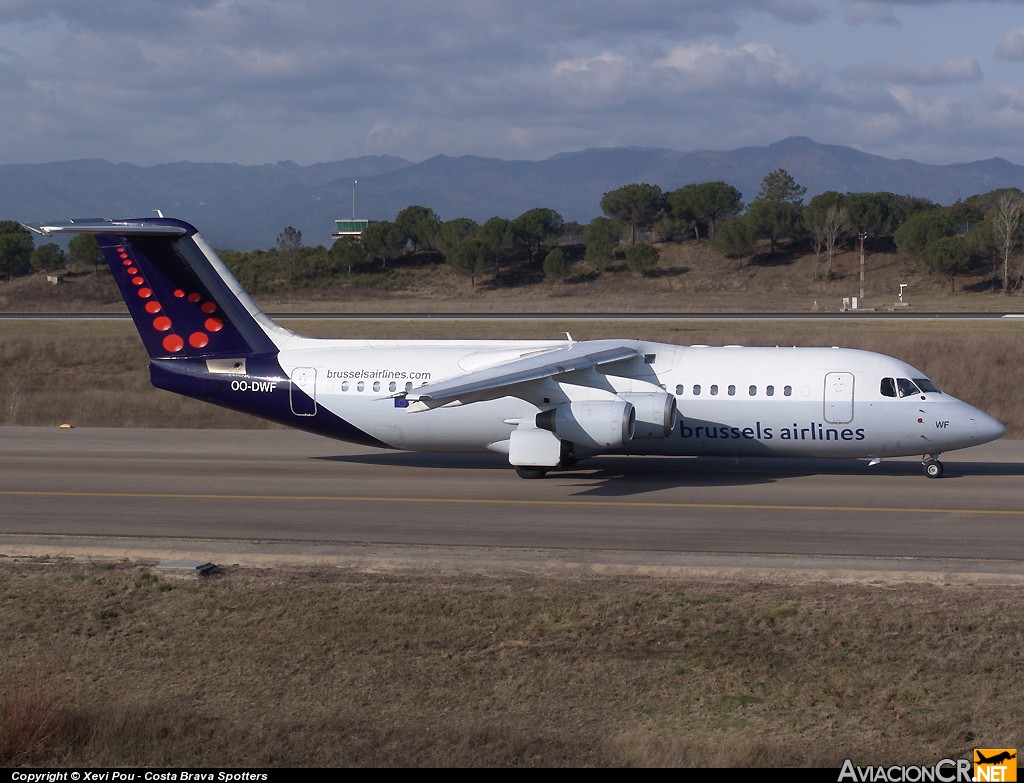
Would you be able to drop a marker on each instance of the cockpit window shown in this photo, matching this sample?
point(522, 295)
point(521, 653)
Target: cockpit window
point(906, 387)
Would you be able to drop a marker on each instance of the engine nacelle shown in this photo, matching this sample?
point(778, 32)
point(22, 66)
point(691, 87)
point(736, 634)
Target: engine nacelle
point(603, 424)
point(656, 414)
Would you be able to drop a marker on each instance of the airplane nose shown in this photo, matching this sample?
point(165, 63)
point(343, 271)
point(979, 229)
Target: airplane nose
point(986, 428)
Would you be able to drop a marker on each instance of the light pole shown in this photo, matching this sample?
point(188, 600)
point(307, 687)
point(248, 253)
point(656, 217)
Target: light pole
point(863, 235)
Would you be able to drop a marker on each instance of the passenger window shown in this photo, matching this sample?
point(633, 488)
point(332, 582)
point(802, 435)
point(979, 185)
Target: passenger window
point(679, 389)
point(408, 386)
point(752, 391)
point(714, 389)
point(732, 390)
point(696, 389)
point(344, 386)
point(360, 386)
point(787, 390)
point(376, 386)
point(392, 386)
point(888, 387)
point(769, 390)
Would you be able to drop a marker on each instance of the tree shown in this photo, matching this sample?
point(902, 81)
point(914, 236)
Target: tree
point(773, 219)
point(1006, 230)
point(15, 249)
point(556, 265)
point(84, 249)
point(290, 239)
point(827, 219)
point(600, 236)
point(705, 202)
point(922, 229)
point(981, 244)
point(47, 258)
point(872, 213)
point(636, 206)
point(642, 258)
point(289, 242)
point(349, 252)
point(421, 225)
point(498, 236)
point(470, 259)
point(537, 227)
point(384, 240)
point(779, 185)
point(735, 238)
point(948, 255)
point(454, 231)
point(905, 207)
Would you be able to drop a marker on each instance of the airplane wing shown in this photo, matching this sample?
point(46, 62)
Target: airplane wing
point(502, 379)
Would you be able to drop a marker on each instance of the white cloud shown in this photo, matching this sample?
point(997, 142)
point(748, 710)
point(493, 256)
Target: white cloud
point(755, 65)
point(959, 70)
point(1012, 45)
point(865, 12)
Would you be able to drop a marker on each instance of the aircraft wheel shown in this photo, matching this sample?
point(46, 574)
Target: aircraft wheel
point(933, 468)
point(530, 472)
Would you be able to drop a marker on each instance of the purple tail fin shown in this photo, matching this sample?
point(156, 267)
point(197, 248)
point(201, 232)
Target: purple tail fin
point(184, 301)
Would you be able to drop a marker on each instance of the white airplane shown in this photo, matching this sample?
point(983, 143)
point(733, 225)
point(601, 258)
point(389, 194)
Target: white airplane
point(544, 404)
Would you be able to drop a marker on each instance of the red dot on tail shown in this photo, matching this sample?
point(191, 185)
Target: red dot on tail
point(173, 343)
point(145, 293)
point(194, 298)
point(198, 339)
point(213, 325)
point(138, 280)
point(132, 270)
point(208, 307)
point(127, 261)
point(162, 324)
point(179, 294)
point(153, 307)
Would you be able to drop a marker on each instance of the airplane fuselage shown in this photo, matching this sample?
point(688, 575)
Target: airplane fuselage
point(743, 401)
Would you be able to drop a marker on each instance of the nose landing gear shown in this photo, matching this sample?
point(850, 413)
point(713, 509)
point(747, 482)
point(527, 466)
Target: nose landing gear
point(932, 467)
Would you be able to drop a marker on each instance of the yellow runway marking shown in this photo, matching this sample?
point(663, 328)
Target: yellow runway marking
point(512, 502)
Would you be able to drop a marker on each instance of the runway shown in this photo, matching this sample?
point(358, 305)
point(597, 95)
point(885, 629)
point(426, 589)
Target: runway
point(263, 497)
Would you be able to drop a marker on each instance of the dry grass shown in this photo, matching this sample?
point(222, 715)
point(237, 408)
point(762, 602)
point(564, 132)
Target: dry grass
point(328, 667)
point(34, 718)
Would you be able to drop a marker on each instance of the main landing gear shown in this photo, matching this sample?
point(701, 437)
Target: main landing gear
point(932, 466)
point(530, 472)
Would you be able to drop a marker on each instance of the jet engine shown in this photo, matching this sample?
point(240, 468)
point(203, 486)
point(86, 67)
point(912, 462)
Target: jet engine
point(602, 424)
point(656, 414)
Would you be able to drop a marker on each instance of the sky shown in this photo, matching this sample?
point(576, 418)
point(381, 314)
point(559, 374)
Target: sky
point(261, 81)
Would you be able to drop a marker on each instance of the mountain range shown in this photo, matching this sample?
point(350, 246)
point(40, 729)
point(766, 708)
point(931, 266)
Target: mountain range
point(246, 207)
